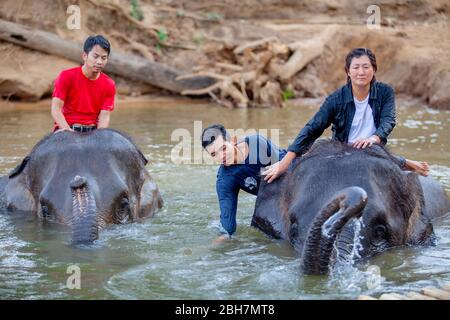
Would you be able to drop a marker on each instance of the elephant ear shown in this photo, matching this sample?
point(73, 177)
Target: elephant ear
point(420, 229)
point(150, 199)
point(17, 195)
point(270, 215)
point(19, 169)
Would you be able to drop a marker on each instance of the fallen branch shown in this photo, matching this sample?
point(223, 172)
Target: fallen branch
point(305, 52)
point(203, 91)
point(225, 84)
point(253, 44)
point(229, 66)
point(202, 74)
point(122, 64)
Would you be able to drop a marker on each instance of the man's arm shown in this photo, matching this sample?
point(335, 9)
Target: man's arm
point(228, 199)
point(107, 108)
point(57, 114)
point(103, 119)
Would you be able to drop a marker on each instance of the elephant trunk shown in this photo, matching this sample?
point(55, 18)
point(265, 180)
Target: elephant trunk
point(348, 203)
point(84, 212)
point(345, 244)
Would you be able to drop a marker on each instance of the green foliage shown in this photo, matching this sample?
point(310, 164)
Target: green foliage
point(136, 11)
point(162, 35)
point(287, 94)
point(198, 38)
point(213, 16)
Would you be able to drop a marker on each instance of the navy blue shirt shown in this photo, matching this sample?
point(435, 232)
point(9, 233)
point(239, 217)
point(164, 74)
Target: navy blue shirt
point(245, 176)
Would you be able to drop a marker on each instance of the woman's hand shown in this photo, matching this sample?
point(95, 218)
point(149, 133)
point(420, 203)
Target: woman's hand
point(278, 168)
point(364, 143)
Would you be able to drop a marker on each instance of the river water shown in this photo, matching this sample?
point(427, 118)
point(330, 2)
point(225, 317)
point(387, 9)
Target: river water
point(172, 256)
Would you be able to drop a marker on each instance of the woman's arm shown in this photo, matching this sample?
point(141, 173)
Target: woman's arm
point(387, 115)
point(313, 130)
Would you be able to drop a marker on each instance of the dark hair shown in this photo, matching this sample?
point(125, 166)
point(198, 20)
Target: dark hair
point(210, 134)
point(356, 53)
point(96, 40)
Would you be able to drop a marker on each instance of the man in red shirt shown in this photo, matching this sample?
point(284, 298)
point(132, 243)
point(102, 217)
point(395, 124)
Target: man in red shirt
point(83, 97)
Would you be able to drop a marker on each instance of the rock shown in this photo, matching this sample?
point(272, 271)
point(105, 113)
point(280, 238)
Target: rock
point(409, 64)
point(27, 74)
point(440, 94)
point(270, 95)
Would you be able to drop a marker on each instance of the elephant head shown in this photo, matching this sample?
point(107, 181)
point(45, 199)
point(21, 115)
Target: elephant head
point(84, 180)
point(315, 204)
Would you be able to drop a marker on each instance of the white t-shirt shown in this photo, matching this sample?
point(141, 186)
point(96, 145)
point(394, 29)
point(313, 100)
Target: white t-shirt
point(363, 125)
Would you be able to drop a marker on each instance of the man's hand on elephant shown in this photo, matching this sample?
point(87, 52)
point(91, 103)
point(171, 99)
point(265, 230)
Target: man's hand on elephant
point(274, 171)
point(64, 129)
point(277, 169)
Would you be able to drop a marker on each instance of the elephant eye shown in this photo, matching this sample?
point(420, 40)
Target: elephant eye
point(123, 211)
point(380, 231)
point(124, 203)
point(45, 209)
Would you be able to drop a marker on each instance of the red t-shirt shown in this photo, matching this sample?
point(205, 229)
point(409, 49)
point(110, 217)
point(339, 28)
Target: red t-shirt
point(84, 98)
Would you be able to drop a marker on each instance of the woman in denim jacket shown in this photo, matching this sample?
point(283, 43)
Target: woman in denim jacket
point(362, 113)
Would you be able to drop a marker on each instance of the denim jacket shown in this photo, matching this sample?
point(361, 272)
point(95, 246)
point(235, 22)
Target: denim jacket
point(339, 110)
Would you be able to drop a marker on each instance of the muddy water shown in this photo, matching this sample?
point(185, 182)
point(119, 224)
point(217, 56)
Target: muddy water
point(172, 255)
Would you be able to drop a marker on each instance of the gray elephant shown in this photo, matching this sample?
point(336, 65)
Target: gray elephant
point(312, 204)
point(83, 180)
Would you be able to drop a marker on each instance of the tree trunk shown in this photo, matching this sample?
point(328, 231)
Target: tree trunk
point(122, 64)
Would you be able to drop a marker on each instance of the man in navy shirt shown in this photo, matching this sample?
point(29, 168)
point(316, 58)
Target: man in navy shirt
point(240, 168)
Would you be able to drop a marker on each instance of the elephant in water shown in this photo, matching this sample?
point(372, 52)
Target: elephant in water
point(83, 180)
point(313, 205)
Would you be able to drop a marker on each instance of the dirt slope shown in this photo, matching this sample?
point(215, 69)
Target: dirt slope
point(411, 46)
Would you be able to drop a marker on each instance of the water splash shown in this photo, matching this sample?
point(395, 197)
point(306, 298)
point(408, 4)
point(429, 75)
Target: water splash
point(344, 275)
point(344, 258)
point(328, 225)
point(358, 224)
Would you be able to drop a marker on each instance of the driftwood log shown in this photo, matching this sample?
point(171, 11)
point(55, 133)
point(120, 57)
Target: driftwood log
point(259, 73)
point(122, 64)
point(254, 74)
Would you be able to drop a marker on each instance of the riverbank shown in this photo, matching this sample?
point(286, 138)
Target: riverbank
point(312, 36)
